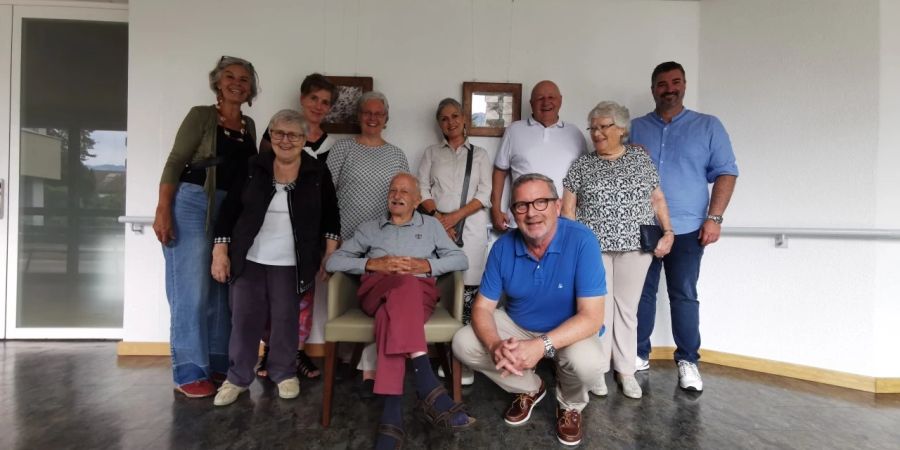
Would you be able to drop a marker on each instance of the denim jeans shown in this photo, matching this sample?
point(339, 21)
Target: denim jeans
point(198, 305)
point(682, 272)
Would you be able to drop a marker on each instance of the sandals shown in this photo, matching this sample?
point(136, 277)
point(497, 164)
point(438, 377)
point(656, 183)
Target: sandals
point(441, 419)
point(261, 368)
point(392, 431)
point(305, 366)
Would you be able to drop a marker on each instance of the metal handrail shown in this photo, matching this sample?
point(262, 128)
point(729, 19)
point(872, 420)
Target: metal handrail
point(781, 234)
point(137, 222)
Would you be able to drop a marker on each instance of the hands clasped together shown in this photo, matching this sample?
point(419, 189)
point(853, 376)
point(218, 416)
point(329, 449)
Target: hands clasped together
point(513, 356)
point(399, 265)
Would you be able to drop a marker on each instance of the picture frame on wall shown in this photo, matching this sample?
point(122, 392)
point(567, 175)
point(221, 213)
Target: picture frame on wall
point(342, 119)
point(491, 107)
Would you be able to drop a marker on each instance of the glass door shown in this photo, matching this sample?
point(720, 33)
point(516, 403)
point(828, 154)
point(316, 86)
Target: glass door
point(67, 158)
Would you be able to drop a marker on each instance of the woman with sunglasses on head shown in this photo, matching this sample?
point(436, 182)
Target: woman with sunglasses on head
point(448, 169)
point(317, 94)
point(614, 190)
point(213, 143)
point(268, 245)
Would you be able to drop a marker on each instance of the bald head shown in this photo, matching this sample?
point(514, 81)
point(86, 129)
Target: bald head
point(546, 102)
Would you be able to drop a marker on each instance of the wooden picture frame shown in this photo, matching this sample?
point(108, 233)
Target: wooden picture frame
point(490, 107)
point(342, 119)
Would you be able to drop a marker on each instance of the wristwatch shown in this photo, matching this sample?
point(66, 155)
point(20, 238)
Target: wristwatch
point(715, 218)
point(549, 349)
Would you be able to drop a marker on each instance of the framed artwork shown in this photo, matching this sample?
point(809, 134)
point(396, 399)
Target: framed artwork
point(342, 118)
point(490, 107)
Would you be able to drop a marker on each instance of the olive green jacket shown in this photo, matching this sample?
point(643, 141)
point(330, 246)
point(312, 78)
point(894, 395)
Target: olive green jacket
point(196, 141)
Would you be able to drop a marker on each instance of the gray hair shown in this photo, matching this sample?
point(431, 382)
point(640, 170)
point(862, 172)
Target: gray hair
point(618, 113)
point(216, 74)
point(411, 177)
point(528, 177)
point(373, 95)
point(290, 116)
point(444, 103)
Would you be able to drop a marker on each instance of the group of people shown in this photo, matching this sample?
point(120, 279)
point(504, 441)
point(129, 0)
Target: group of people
point(578, 287)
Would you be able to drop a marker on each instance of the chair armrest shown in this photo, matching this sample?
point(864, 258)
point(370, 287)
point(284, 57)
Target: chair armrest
point(341, 293)
point(452, 285)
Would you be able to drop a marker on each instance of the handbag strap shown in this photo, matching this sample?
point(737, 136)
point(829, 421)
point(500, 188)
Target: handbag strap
point(465, 189)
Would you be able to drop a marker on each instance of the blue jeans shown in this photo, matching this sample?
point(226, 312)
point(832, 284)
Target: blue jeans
point(682, 272)
point(198, 305)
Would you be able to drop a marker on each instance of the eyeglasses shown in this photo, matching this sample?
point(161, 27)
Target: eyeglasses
point(539, 204)
point(375, 114)
point(278, 135)
point(600, 128)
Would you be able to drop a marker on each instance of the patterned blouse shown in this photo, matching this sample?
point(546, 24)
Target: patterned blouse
point(614, 196)
point(362, 176)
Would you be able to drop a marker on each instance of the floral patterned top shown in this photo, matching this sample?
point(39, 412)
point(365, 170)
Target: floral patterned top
point(613, 196)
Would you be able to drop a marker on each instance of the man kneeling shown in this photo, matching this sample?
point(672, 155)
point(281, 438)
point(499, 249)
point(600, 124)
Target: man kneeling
point(399, 257)
point(552, 274)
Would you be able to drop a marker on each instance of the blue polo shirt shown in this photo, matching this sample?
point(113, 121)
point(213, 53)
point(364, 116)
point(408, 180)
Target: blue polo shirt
point(689, 153)
point(541, 294)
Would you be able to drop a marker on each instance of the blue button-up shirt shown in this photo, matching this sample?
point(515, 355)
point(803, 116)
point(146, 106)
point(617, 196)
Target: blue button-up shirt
point(690, 152)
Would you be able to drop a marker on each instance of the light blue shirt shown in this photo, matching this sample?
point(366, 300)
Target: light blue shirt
point(542, 294)
point(422, 237)
point(689, 153)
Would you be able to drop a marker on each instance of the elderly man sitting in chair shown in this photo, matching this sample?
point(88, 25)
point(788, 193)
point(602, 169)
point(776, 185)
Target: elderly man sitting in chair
point(399, 257)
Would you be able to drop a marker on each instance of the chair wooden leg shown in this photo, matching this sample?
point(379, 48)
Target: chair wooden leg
point(457, 379)
point(328, 390)
point(442, 352)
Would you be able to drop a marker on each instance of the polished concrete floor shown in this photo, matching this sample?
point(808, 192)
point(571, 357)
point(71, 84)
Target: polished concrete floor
point(61, 395)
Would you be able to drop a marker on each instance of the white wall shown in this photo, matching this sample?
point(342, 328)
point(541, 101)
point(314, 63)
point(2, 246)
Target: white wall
point(797, 84)
point(417, 53)
point(806, 88)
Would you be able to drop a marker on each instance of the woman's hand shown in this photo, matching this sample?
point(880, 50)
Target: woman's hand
point(221, 264)
point(664, 246)
point(162, 225)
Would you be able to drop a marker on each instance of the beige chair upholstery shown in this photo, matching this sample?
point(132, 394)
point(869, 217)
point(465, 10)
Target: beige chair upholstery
point(348, 323)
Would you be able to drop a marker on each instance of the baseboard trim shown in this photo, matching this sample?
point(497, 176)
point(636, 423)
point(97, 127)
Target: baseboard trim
point(824, 376)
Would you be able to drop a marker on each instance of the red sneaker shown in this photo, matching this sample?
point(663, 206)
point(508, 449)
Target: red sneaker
point(218, 378)
point(197, 389)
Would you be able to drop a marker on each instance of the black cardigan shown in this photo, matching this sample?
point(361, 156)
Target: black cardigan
point(312, 206)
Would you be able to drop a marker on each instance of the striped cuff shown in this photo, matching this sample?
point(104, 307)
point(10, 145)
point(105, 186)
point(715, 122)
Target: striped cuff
point(222, 240)
point(332, 236)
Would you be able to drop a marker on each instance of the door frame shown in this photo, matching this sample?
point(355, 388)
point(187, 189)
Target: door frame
point(10, 160)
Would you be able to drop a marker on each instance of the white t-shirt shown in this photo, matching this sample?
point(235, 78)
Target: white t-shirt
point(529, 147)
point(274, 244)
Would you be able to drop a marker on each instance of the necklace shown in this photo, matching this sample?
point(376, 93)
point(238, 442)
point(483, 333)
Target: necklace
point(228, 133)
point(612, 156)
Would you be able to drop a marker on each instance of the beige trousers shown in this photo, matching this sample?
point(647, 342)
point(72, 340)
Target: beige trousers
point(625, 273)
point(578, 366)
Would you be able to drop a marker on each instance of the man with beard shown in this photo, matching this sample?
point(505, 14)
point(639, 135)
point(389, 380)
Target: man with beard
point(690, 150)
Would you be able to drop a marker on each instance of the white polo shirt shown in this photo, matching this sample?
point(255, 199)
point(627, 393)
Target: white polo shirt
point(529, 147)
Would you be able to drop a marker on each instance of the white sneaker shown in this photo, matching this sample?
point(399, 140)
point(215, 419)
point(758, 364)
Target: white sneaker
point(641, 364)
point(630, 386)
point(689, 376)
point(467, 377)
point(228, 393)
point(289, 388)
point(600, 389)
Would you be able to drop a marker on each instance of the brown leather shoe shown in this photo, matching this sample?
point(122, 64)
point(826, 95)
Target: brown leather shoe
point(568, 426)
point(520, 410)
